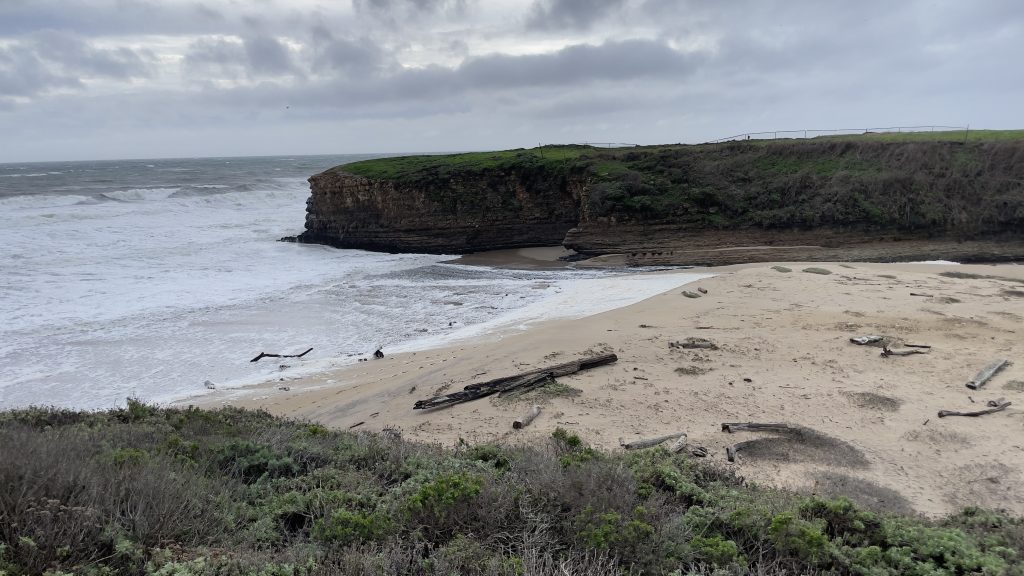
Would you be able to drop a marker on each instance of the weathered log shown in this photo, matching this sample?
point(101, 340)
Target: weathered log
point(731, 427)
point(265, 355)
point(919, 294)
point(509, 383)
point(730, 453)
point(648, 442)
point(886, 352)
point(997, 408)
point(526, 419)
point(679, 445)
point(987, 373)
point(689, 294)
point(524, 385)
point(862, 340)
point(557, 370)
point(918, 346)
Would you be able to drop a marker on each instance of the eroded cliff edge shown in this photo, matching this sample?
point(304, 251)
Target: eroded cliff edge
point(705, 205)
point(511, 205)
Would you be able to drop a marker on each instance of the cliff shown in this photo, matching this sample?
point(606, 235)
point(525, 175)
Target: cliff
point(859, 199)
point(444, 211)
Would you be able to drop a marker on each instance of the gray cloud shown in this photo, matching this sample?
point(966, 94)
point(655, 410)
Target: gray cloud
point(49, 60)
point(255, 56)
point(396, 7)
point(353, 58)
point(267, 55)
point(572, 14)
point(581, 63)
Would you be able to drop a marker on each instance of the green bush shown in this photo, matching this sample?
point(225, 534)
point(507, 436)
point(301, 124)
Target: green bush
point(437, 497)
point(345, 527)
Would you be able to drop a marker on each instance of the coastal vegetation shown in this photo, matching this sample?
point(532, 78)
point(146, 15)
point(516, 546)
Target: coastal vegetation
point(147, 490)
point(920, 183)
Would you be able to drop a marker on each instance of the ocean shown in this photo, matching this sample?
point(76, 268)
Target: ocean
point(146, 278)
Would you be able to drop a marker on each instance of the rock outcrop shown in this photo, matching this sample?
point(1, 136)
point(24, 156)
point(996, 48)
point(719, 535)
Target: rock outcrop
point(464, 213)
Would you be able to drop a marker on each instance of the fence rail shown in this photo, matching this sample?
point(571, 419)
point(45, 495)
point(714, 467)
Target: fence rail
point(594, 144)
point(776, 134)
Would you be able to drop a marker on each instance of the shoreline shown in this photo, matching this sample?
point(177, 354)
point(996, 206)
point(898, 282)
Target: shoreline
point(783, 355)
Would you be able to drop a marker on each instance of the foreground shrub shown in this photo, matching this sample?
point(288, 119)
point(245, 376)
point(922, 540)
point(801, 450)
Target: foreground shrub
point(144, 490)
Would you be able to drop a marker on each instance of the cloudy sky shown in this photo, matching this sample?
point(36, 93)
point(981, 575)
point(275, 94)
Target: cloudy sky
point(84, 79)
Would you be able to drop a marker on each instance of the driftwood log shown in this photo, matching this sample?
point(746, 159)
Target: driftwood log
point(526, 419)
point(886, 351)
point(265, 355)
point(996, 408)
point(987, 373)
point(648, 442)
point(509, 383)
point(731, 427)
point(679, 445)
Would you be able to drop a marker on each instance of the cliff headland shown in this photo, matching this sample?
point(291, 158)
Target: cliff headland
point(877, 198)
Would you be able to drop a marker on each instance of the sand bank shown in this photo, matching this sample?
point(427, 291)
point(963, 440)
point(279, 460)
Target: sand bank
point(783, 355)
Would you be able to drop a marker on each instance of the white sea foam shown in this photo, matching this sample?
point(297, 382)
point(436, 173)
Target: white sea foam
point(140, 194)
point(36, 201)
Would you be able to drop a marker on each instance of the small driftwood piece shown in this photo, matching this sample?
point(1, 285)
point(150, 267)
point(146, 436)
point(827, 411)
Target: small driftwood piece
point(702, 290)
point(922, 295)
point(526, 419)
point(862, 340)
point(918, 346)
point(996, 402)
point(886, 351)
point(509, 383)
point(731, 427)
point(996, 408)
point(265, 355)
point(987, 373)
point(689, 294)
point(679, 445)
point(648, 442)
point(730, 453)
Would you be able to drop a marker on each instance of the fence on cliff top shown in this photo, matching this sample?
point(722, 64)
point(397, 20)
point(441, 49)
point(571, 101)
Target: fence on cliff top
point(801, 134)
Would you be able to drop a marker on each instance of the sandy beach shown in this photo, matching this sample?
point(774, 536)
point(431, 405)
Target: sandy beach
point(782, 354)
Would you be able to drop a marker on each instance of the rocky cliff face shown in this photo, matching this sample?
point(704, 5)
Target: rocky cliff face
point(699, 205)
point(468, 212)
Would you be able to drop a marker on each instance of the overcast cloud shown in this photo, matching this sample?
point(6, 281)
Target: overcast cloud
point(156, 78)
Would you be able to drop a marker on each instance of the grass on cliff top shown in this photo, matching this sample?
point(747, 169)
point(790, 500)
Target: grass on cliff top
point(407, 167)
point(189, 492)
point(428, 166)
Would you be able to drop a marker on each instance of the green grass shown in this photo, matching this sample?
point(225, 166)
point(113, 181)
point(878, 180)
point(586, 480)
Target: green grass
point(190, 492)
point(938, 136)
point(412, 168)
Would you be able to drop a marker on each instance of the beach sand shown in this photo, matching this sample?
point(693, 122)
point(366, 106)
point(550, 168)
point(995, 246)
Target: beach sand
point(783, 355)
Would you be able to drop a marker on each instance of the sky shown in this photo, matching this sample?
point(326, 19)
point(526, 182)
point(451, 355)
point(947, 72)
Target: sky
point(105, 79)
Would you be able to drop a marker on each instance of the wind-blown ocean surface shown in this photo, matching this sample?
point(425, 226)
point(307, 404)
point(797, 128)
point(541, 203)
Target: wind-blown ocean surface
point(146, 278)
